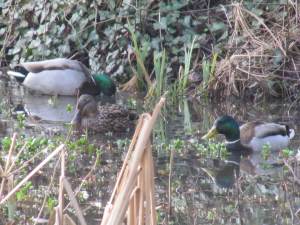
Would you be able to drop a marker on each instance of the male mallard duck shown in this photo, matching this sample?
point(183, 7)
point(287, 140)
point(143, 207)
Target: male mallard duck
point(102, 118)
point(252, 135)
point(62, 77)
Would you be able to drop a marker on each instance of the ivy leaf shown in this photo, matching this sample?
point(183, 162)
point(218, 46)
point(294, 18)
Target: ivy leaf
point(216, 26)
point(187, 21)
point(93, 36)
point(161, 25)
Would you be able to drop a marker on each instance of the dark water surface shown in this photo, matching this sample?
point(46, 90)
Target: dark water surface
point(261, 192)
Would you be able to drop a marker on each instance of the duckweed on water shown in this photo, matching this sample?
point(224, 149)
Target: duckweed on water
point(69, 108)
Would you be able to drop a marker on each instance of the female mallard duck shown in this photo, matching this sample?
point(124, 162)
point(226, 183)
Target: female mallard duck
point(102, 118)
point(62, 77)
point(252, 135)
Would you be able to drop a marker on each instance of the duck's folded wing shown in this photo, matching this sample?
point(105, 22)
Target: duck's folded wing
point(55, 64)
point(270, 129)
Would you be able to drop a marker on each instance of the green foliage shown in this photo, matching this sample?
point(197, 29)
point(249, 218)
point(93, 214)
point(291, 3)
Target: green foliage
point(160, 70)
point(176, 145)
point(82, 144)
point(266, 151)
point(21, 120)
point(287, 153)
point(208, 71)
point(141, 52)
point(211, 214)
point(51, 203)
point(180, 84)
point(39, 30)
point(34, 144)
point(159, 61)
point(23, 192)
point(212, 149)
point(5, 143)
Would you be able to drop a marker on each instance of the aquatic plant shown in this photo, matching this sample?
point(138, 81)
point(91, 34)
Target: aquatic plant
point(23, 192)
point(208, 73)
point(212, 149)
point(141, 78)
point(178, 89)
point(21, 120)
point(266, 151)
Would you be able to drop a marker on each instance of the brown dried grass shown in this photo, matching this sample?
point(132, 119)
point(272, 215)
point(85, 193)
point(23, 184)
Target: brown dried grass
point(249, 64)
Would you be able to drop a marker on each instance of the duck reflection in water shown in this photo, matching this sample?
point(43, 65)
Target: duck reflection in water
point(229, 172)
point(240, 160)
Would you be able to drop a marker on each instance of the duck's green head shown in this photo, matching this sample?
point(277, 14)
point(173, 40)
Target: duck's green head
point(225, 125)
point(105, 83)
point(100, 83)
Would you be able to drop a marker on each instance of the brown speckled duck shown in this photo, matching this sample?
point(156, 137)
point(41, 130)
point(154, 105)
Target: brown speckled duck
point(102, 118)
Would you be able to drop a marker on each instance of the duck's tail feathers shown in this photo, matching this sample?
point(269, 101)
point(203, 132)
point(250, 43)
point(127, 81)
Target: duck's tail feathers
point(291, 133)
point(15, 74)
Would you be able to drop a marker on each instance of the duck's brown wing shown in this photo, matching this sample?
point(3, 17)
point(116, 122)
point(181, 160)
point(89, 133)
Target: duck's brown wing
point(247, 131)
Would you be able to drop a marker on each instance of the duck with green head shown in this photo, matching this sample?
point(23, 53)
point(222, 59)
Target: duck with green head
point(251, 136)
point(62, 76)
point(102, 118)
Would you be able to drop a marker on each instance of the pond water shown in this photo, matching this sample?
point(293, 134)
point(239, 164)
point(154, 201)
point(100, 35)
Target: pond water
point(257, 191)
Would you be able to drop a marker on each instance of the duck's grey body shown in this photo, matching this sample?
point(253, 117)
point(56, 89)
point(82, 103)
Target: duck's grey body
point(55, 82)
point(258, 134)
point(55, 76)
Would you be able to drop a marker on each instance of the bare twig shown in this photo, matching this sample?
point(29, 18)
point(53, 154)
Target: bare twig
point(41, 165)
point(73, 201)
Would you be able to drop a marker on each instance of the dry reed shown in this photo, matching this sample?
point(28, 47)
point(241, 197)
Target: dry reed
point(258, 60)
point(133, 199)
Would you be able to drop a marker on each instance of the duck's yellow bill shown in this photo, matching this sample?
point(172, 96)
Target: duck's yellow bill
point(211, 133)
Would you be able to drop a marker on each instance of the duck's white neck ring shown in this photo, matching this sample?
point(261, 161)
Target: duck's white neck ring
point(232, 142)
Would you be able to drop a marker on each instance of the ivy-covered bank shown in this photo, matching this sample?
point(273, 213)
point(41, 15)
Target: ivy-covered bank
point(247, 49)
